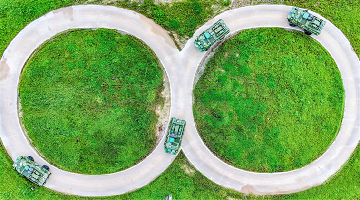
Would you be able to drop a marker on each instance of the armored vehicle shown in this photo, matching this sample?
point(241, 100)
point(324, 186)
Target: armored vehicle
point(207, 38)
point(174, 136)
point(26, 166)
point(302, 18)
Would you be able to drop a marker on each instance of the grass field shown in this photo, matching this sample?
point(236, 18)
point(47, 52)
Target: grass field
point(16, 14)
point(182, 17)
point(267, 106)
point(88, 99)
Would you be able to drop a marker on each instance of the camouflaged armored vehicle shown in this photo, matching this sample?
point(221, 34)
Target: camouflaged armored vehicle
point(27, 167)
point(207, 38)
point(302, 18)
point(174, 136)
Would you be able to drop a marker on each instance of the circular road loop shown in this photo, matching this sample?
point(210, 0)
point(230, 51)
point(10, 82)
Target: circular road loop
point(180, 68)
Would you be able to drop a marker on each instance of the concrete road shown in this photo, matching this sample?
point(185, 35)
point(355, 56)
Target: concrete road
point(297, 180)
point(43, 29)
point(180, 68)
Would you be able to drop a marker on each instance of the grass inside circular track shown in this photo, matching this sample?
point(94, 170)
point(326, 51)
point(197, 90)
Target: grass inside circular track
point(88, 99)
point(270, 100)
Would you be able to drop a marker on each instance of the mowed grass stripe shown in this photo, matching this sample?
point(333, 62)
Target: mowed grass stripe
point(88, 99)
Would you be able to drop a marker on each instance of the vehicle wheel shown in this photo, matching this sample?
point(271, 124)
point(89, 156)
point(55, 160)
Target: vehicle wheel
point(292, 24)
point(46, 167)
point(307, 32)
point(30, 158)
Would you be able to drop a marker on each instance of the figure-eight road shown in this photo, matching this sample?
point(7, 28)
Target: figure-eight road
point(180, 68)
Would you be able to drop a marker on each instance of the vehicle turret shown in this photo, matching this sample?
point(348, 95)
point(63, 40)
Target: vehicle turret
point(174, 136)
point(26, 166)
point(302, 18)
point(207, 38)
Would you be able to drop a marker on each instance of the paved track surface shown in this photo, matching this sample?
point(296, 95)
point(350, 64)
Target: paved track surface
point(180, 68)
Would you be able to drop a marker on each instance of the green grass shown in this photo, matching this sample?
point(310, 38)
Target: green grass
point(181, 17)
point(345, 184)
point(16, 14)
point(267, 106)
point(343, 14)
point(88, 100)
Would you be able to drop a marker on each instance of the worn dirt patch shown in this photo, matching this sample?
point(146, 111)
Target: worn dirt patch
point(247, 189)
point(242, 3)
point(163, 111)
point(139, 1)
point(67, 12)
point(166, 1)
point(188, 169)
point(4, 69)
point(157, 30)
